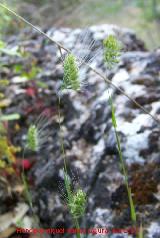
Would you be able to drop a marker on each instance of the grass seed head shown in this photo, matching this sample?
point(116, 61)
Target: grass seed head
point(71, 74)
point(38, 133)
point(112, 50)
point(32, 138)
point(78, 203)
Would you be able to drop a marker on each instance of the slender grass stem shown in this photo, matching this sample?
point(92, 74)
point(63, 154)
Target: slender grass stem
point(25, 183)
point(124, 171)
point(61, 137)
point(77, 228)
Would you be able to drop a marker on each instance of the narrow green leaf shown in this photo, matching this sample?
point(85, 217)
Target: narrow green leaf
point(41, 84)
point(10, 117)
point(67, 186)
point(26, 189)
point(133, 212)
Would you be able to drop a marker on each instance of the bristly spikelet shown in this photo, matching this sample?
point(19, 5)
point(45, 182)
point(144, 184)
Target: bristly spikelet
point(71, 74)
point(77, 204)
point(112, 50)
point(32, 138)
point(37, 134)
point(76, 200)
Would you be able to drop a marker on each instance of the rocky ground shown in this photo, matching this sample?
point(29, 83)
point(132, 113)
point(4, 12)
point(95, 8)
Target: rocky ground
point(89, 137)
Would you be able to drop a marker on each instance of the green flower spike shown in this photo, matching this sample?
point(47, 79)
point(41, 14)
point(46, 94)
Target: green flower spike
point(38, 134)
point(32, 138)
point(112, 50)
point(71, 74)
point(77, 204)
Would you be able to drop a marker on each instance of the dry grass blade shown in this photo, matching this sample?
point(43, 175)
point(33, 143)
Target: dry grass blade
point(140, 235)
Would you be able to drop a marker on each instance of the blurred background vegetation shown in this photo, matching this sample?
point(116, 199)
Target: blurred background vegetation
point(143, 16)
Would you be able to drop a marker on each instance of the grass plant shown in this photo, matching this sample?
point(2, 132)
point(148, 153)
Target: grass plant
point(36, 136)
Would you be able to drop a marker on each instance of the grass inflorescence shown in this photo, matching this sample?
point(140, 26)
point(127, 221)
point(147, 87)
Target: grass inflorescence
point(32, 138)
point(111, 50)
point(71, 73)
point(37, 134)
point(78, 203)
